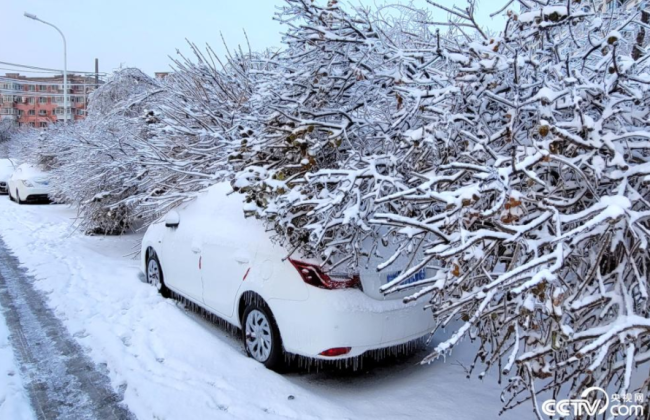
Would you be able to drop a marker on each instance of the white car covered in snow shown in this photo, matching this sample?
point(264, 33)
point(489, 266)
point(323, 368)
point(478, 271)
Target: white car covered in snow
point(210, 254)
point(7, 168)
point(29, 184)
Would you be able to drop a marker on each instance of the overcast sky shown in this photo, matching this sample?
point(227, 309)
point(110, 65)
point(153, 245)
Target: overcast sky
point(137, 33)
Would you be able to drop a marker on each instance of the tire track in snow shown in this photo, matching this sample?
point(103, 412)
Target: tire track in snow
point(62, 381)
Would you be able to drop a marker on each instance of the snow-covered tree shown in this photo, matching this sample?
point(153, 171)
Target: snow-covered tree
point(199, 125)
point(323, 138)
point(514, 164)
point(96, 163)
point(8, 130)
point(534, 207)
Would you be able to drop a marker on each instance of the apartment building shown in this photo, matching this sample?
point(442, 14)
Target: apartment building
point(38, 101)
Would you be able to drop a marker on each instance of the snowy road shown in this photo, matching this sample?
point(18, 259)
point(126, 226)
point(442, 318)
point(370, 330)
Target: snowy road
point(168, 363)
point(62, 382)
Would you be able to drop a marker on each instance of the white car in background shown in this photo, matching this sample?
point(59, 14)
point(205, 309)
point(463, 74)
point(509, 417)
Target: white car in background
point(210, 254)
point(7, 168)
point(29, 184)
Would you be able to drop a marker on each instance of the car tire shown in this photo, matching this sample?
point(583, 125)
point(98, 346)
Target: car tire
point(154, 274)
point(261, 335)
point(18, 200)
point(11, 197)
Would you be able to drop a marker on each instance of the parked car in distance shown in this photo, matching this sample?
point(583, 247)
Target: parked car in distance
point(7, 167)
point(210, 254)
point(29, 184)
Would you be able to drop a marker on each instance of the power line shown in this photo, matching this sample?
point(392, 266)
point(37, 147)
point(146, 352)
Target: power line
point(9, 80)
point(44, 68)
point(32, 71)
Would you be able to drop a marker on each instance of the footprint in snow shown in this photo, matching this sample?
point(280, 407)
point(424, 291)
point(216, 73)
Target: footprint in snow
point(126, 340)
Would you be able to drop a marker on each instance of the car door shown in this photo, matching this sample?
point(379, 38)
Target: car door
point(228, 254)
point(181, 259)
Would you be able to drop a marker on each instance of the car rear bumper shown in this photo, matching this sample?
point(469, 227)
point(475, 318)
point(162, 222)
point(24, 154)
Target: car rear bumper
point(347, 318)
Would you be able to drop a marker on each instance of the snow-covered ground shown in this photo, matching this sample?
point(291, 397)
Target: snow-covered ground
point(14, 401)
point(171, 364)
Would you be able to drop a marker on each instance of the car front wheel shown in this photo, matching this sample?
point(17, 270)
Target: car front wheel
point(155, 274)
point(262, 336)
point(18, 200)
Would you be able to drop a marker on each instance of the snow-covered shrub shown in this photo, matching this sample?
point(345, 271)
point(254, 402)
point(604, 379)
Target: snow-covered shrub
point(199, 125)
point(96, 163)
point(534, 205)
point(8, 130)
point(16, 141)
point(322, 136)
point(518, 164)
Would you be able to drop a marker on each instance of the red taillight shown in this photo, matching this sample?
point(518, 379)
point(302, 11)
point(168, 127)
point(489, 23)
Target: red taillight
point(313, 275)
point(337, 351)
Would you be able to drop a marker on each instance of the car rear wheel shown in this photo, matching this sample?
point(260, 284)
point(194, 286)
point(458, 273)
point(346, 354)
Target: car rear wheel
point(155, 274)
point(18, 200)
point(262, 336)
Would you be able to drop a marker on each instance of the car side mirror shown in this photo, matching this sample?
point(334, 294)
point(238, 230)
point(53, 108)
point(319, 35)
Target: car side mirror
point(173, 219)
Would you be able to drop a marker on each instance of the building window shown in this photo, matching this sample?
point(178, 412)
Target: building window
point(613, 5)
point(42, 112)
point(32, 88)
point(80, 112)
point(42, 124)
point(42, 100)
point(42, 88)
point(31, 100)
point(20, 112)
point(31, 124)
point(31, 112)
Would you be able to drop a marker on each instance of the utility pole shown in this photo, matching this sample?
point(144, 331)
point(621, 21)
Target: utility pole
point(96, 73)
point(65, 65)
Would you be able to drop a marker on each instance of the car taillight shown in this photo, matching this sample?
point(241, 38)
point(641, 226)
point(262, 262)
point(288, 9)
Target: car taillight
point(337, 351)
point(313, 275)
